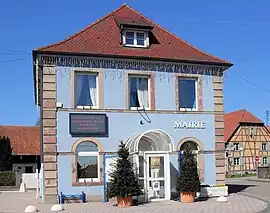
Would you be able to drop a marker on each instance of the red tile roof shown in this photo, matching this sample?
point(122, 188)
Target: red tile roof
point(233, 119)
point(102, 38)
point(25, 140)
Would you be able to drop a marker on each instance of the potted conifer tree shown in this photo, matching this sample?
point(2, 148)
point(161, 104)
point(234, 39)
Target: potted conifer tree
point(124, 182)
point(188, 182)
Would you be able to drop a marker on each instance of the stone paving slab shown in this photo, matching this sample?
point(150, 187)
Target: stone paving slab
point(16, 202)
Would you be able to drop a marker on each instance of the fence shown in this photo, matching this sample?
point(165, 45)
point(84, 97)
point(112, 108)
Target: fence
point(30, 180)
point(33, 181)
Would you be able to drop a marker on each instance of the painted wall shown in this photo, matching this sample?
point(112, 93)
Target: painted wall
point(114, 82)
point(124, 125)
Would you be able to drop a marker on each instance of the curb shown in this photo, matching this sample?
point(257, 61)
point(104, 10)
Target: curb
point(256, 180)
point(266, 210)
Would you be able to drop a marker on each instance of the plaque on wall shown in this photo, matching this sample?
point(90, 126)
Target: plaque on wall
point(88, 124)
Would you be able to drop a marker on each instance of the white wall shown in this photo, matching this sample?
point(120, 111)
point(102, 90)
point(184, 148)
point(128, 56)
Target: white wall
point(30, 180)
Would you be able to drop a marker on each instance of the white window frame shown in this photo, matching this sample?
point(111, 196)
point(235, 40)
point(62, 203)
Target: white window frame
point(146, 38)
point(264, 146)
point(87, 154)
point(265, 160)
point(236, 146)
point(97, 88)
point(196, 94)
point(238, 161)
point(149, 93)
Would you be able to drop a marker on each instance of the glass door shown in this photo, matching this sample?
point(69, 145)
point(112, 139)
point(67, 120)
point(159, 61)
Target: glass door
point(156, 176)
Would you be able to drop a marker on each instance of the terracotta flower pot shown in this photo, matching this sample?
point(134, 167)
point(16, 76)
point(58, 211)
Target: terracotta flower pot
point(123, 202)
point(187, 197)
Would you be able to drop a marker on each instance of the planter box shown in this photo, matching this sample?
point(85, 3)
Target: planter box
point(214, 191)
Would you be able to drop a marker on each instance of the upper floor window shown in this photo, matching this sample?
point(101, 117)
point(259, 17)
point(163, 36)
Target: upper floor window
point(264, 147)
point(87, 162)
point(236, 146)
point(135, 38)
point(187, 88)
point(86, 94)
point(139, 96)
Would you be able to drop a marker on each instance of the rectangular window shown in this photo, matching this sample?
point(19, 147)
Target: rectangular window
point(139, 96)
point(130, 38)
point(87, 166)
point(135, 39)
point(236, 146)
point(236, 161)
point(264, 147)
point(86, 93)
point(140, 39)
point(265, 161)
point(187, 94)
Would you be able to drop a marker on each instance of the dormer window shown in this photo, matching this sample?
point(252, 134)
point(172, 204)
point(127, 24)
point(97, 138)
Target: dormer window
point(135, 38)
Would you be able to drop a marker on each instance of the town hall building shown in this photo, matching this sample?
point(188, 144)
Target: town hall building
point(126, 78)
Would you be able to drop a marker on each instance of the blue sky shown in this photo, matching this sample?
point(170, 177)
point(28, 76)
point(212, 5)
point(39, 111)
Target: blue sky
point(238, 31)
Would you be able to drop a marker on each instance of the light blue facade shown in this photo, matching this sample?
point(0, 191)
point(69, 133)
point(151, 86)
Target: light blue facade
point(123, 125)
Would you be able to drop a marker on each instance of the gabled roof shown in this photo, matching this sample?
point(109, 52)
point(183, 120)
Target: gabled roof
point(102, 38)
point(233, 119)
point(25, 140)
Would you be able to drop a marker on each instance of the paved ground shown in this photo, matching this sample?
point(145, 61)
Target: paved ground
point(16, 202)
point(251, 187)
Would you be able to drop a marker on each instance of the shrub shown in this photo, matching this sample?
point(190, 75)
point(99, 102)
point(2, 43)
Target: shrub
point(124, 180)
point(7, 179)
point(188, 180)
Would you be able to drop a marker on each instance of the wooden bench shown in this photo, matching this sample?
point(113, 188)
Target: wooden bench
point(63, 197)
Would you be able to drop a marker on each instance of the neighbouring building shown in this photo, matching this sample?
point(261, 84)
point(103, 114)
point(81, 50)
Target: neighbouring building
point(247, 142)
point(25, 144)
point(125, 77)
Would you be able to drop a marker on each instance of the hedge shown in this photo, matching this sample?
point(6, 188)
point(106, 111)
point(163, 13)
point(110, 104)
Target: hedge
point(7, 179)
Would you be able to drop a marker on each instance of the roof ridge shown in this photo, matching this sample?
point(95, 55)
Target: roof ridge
point(83, 30)
point(197, 49)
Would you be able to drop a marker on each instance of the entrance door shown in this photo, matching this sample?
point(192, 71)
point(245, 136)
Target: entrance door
point(157, 181)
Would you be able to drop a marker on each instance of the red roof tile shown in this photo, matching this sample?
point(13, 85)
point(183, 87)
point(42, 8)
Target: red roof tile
point(25, 140)
point(233, 119)
point(103, 38)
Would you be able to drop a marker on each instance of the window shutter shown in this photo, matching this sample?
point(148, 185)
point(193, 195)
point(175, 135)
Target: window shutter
point(242, 160)
point(241, 145)
point(268, 146)
point(261, 160)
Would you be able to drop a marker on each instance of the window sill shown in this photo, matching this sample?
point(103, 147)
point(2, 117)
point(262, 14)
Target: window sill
point(138, 108)
point(188, 109)
point(136, 46)
point(100, 183)
point(86, 107)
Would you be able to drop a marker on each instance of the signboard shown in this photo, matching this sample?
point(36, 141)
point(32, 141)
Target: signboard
point(257, 158)
point(84, 124)
point(189, 125)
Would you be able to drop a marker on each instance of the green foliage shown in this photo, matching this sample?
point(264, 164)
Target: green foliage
point(7, 179)
point(124, 181)
point(5, 154)
point(188, 180)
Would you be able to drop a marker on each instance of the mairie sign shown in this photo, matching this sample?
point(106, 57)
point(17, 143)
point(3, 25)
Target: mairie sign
point(189, 125)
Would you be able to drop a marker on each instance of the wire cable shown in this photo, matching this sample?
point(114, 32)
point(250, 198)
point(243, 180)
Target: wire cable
point(8, 61)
